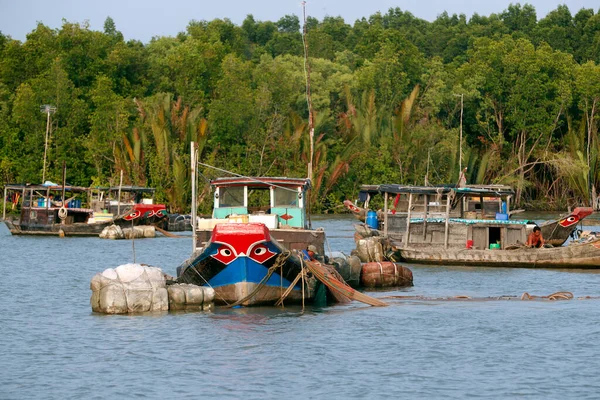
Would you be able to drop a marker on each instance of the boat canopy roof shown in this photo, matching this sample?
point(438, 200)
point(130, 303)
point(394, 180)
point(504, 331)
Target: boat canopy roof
point(469, 190)
point(53, 188)
point(77, 189)
point(262, 182)
point(127, 188)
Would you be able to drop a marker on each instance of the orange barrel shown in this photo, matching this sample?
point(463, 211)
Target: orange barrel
point(385, 274)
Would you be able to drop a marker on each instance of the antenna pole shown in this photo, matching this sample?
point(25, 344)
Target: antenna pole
point(311, 121)
point(461, 134)
point(193, 165)
point(46, 108)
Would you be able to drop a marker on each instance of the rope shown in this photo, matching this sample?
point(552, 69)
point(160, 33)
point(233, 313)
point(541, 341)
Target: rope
point(205, 281)
point(553, 230)
point(561, 296)
point(245, 177)
point(281, 259)
point(303, 282)
point(553, 296)
point(169, 234)
point(336, 286)
point(524, 296)
point(328, 247)
point(291, 287)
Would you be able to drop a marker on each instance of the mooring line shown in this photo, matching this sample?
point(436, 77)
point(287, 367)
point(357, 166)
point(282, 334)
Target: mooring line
point(525, 296)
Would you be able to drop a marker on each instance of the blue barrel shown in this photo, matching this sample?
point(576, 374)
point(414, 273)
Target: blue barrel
point(372, 220)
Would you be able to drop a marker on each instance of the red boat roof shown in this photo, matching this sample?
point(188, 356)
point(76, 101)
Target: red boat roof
point(240, 234)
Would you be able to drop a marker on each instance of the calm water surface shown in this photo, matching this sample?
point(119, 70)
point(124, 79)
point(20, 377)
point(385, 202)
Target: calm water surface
point(54, 347)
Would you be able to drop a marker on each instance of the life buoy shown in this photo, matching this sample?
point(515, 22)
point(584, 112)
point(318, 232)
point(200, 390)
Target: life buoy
point(62, 213)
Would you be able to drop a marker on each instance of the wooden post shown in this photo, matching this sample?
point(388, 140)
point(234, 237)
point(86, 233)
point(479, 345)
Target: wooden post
point(425, 211)
point(410, 196)
point(447, 224)
point(119, 196)
point(4, 205)
point(482, 207)
point(23, 202)
point(30, 204)
point(385, 214)
point(64, 182)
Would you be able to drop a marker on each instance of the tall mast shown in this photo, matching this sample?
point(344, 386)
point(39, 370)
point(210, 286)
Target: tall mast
point(311, 121)
point(48, 109)
point(460, 169)
point(193, 164)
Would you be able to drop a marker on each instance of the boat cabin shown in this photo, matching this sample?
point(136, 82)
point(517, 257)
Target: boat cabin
point(115, 200)
point(45, 209)
point(41, 203)
point(48, 208)
point(475, 216)
point(278, 203)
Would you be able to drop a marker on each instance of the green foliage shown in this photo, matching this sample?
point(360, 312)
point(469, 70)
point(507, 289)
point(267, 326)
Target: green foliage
point(108, 123)
point(386, 94)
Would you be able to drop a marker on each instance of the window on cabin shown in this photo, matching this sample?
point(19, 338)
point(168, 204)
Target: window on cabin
point(231, 197)
point(259, 200)
point(286, 197)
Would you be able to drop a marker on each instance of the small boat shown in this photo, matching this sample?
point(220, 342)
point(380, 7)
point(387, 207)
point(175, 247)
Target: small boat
point(52, 209)
point(251, 249)
point(579, 255)
point(556, 232)
point(468, 225)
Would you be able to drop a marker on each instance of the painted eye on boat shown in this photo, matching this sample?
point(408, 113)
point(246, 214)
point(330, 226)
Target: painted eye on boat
point(225, 252)
point(571, 219)
point(259, 251)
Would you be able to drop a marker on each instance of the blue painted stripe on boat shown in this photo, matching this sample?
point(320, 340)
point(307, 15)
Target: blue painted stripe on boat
point(244, 269)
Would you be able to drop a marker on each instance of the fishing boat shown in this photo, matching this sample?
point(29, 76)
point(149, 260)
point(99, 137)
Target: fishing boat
point(468, 225)
point(251, 249)
point(66, 210)
point(256, 246)
point(557, 231)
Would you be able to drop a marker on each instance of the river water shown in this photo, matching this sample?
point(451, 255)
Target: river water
point(54, 347)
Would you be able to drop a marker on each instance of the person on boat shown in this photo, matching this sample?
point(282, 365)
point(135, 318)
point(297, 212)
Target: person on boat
point(535, 238)
point(310, 253)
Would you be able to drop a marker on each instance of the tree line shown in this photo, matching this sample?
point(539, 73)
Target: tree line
point(392, 94)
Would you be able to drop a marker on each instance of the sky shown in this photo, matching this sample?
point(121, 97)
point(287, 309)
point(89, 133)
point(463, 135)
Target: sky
point(142, 20)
